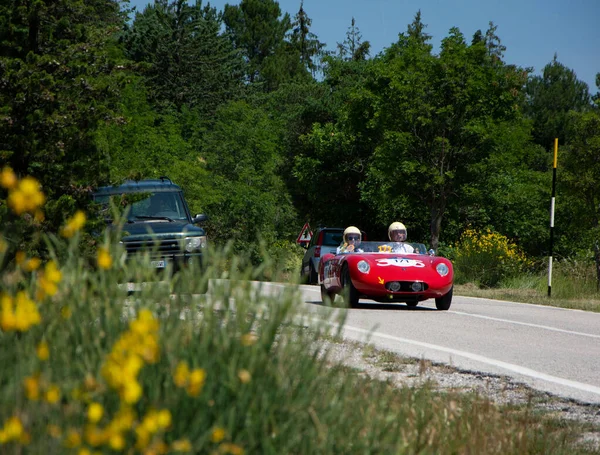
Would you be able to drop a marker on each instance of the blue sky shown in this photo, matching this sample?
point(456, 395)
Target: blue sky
point(532, 30)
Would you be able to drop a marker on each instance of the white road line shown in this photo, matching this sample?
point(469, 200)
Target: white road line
point(545, 327)
point(498, 363)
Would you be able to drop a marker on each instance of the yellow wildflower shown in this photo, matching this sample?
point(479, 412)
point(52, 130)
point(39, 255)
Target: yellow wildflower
point(150, 422)
point(233, 449)
point(8, 179)
point(26, 312)
point(94, 436)
point(116, 441)
point(26, 197)
point(20, 257)
point(84, 451)
point(8, 321)
point(142, 437)
point(164, 418)
point(38, 216)
point(13, 428)
point(73, 439)
point(42, 351)
point(48, 280)
point(181, 375)
point(74, 224)
point(31, 385)
point(32, 264)
point(248, 339)
point(19, 313)
point(132, 392)
point(123, 420)
point(94, 413)
point(181, 445)
point(196, 382)
point(104, 258)
point(217, 435)
point(245, 376)
point(52, 395)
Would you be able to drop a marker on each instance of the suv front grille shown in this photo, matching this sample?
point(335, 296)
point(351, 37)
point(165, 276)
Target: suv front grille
point(166, 246)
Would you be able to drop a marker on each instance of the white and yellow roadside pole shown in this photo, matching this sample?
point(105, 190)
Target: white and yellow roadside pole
point(552, 217)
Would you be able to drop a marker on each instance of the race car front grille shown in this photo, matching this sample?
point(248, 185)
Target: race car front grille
point(406, 286)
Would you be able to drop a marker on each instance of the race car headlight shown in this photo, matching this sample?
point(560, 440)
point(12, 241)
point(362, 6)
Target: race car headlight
point(195, 243)
point(363, 266)
point(442, 269)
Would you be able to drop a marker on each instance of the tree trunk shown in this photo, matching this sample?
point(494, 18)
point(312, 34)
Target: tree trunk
point(436, 226)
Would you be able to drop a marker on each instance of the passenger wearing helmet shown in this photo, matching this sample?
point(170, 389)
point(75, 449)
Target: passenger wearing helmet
point(397, 234)
point(351, 240)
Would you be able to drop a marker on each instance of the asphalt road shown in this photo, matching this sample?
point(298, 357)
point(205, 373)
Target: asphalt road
point(551, 349)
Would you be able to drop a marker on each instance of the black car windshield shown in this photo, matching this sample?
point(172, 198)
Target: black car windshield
point(143, 207)
point(332, 238)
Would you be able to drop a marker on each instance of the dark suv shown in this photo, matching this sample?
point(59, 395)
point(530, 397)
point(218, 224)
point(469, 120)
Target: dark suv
point(158, 221)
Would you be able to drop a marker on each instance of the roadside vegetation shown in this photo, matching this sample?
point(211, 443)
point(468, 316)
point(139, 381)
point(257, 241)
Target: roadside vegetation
point(89, 367)
point(264, 132)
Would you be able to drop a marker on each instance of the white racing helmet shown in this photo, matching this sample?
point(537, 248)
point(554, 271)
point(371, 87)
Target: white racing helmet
point(352, 230)
point(397, 226)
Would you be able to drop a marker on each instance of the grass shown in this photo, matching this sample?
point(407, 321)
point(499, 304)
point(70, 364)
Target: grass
point(232, 371)
point(568, 291)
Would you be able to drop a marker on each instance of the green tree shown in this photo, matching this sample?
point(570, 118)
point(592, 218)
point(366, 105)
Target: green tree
point(330, 160)
point(243, 156)
point(437, 117)
point(310, 48)
point(188, 60)
point(550, 98)
point(61, 72)
point(579, 177)
point(353, 47)
point(258, 31)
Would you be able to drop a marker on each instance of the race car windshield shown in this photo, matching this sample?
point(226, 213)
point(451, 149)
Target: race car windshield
point(393, 247)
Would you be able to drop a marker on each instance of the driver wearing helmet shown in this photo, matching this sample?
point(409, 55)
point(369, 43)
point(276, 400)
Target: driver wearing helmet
point(351, 241)
point(397, 234)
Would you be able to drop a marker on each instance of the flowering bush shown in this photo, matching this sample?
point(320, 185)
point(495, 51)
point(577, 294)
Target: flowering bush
point(486, 258)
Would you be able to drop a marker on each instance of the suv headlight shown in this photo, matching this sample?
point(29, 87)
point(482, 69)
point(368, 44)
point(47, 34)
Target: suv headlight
point(195, 243)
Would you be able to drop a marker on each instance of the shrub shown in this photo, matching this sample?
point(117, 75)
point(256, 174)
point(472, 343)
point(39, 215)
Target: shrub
point(486, 258)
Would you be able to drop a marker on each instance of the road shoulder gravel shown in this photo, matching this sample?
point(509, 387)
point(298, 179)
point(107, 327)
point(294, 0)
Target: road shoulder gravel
point(503, 390)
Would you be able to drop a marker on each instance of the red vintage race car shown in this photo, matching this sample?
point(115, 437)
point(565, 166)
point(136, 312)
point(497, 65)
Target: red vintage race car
point(386, 272)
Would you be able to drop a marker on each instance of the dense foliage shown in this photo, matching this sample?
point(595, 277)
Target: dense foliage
point(265, 129)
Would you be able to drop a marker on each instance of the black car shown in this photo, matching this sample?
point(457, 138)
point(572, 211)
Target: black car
point(158, 221)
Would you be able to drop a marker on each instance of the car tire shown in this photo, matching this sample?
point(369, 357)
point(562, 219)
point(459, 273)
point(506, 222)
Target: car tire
point(350, 292)
point(443, 302)
point(313, 276)
point(304, 279)
point(327, 297)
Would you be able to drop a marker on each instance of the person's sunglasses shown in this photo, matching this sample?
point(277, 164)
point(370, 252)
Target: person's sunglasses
point(353, 237)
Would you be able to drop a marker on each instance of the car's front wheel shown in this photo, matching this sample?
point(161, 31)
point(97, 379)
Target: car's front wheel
point(443, 302)
point(350, 292)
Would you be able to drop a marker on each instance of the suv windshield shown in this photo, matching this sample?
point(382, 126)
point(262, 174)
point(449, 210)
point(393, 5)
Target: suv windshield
point(167, 206)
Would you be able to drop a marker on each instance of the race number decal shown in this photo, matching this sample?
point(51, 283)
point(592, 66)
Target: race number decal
point(400, 262)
